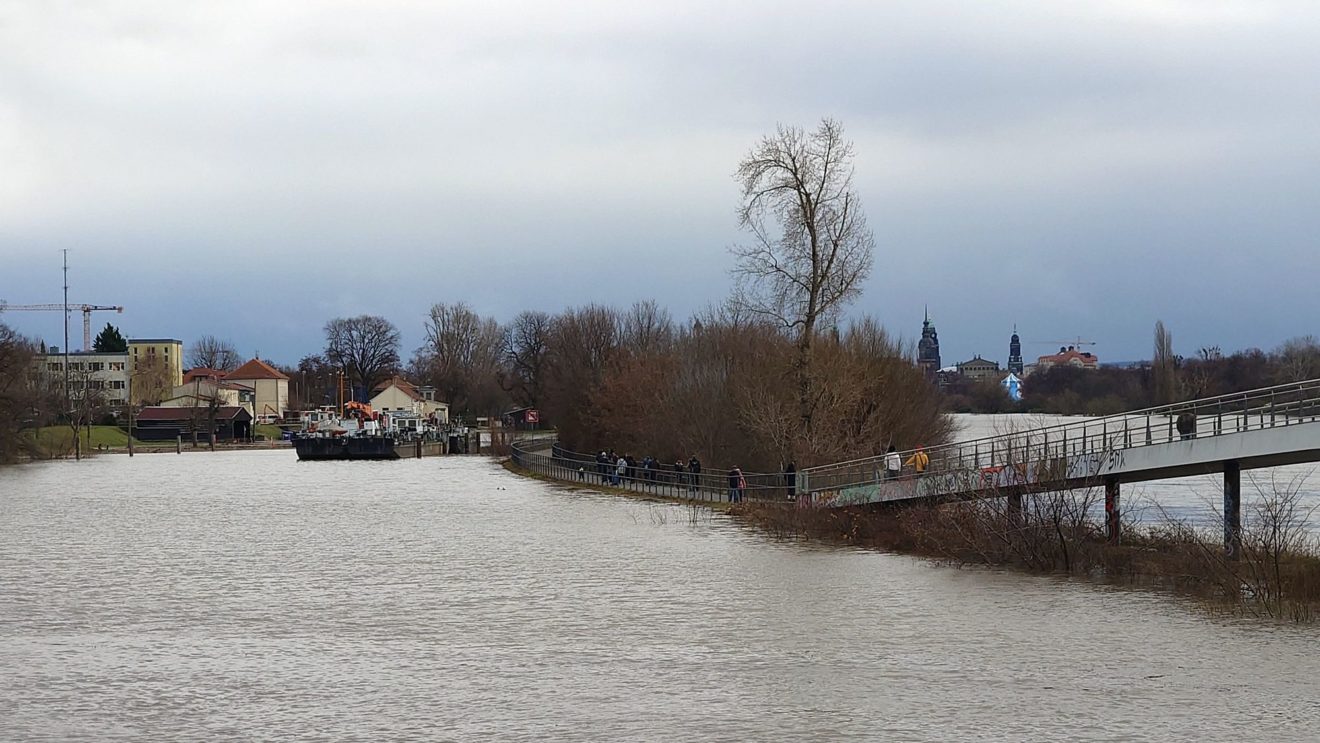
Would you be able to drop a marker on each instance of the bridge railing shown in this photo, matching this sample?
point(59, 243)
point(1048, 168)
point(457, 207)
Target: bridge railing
point(967, 463)
point(546, 457)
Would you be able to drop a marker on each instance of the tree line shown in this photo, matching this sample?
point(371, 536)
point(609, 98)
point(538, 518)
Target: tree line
point(1166, 378)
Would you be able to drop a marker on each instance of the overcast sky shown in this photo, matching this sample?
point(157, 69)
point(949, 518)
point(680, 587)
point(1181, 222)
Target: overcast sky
point(253, 169)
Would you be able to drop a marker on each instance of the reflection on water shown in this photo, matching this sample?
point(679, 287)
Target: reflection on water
point(248, 596)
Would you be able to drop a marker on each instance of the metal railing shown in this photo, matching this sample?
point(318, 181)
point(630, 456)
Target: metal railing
point(547, 458)
point(962, 466)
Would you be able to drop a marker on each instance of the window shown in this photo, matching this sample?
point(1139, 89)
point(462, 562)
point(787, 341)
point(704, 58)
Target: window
point(116, 384)
point(116, 366)
point(96, 366)
point(75, 366)
point(54, 366)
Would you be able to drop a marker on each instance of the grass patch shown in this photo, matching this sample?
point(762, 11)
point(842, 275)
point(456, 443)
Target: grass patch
point(59, 439)
point(271, 432)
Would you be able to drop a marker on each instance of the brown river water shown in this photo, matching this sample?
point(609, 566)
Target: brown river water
point(248, 596)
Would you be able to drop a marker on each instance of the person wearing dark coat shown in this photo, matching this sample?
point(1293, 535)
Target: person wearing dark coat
point(1186, 425)
point(790, 479)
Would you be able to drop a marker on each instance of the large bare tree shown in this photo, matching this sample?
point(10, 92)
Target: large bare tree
point(811, 248)
point(526, 344)
point(365, 347)
point(463, 358)
point(213, 353)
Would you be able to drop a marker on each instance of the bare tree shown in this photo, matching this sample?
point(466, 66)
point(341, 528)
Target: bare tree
point(647, 328)
point(1299, 359)
point(811, 248)
point(18, 392)
point(526, 345)
point(213, 353)
point(463, 358)
point(152, 381)
point(365, 347)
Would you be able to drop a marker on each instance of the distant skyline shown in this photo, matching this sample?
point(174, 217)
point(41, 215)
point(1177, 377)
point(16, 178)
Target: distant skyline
point(250, 171)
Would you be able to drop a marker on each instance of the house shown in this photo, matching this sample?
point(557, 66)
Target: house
point(166, 423)
point(978, 368)
point(398, 395)
point(1068, 356)
point(270, 388)
point(199, 391)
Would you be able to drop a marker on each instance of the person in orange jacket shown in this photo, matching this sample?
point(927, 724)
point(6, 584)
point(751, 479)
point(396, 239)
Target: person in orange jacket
point(919, 460)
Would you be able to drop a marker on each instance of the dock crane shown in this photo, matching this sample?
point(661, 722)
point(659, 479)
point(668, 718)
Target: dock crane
point(86, 309)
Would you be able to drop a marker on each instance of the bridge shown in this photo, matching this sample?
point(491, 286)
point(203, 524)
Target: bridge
point(1266, 427)
point(1225, 435)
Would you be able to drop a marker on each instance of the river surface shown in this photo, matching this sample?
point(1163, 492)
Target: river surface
point(247, 596)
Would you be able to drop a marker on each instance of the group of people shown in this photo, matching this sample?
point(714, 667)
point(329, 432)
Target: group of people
point(615, 469)
point(894, 463)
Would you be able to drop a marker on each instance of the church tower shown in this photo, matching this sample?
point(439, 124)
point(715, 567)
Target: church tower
point(1015, 353)
point(928, 348)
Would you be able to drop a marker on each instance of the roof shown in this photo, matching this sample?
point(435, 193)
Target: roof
point(202, 372)
point(155, 340)
point(1068, 356)
point(256, 369)
point(402, 384)
point(163, 413)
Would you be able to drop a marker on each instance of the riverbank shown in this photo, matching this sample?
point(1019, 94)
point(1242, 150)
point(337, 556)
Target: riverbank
point(1276, 576)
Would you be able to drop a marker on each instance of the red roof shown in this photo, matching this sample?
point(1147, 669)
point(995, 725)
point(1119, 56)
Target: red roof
point(203, 373)
point(404, 386)
point(164, 413)
point(256, 369)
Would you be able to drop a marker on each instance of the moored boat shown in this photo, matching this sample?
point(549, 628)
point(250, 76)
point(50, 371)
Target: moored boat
point(345, 447)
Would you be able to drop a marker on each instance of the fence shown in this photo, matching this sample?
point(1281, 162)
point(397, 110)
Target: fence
point(967, 461)
point(547, 458)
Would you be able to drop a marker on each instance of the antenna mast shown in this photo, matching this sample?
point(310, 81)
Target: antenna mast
point(68, 407)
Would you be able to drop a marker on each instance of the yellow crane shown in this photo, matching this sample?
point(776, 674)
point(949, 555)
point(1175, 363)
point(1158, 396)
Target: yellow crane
point(86, 309)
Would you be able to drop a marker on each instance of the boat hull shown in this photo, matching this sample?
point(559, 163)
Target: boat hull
point(345, 447)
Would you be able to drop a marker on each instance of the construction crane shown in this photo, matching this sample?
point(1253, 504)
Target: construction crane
point(86, 309)
point(1077, 342)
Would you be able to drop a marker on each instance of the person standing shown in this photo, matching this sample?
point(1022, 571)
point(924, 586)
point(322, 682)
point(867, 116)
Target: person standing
point(790, 479)
point(919, 460)
point(694, 474)
point(736, 485)
point(893, 464)
point(679, 476)
point(1186, 425)
point(620, 467)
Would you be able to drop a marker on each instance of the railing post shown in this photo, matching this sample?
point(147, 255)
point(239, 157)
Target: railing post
point(1149, 440)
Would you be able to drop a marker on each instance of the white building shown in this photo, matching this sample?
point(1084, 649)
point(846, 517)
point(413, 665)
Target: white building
point(105, 374)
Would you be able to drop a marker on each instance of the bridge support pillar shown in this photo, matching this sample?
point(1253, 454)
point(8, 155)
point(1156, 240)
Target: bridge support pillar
point(1112, 521)
point(1232, 509)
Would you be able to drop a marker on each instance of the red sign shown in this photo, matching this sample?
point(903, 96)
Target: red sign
point(533, 416)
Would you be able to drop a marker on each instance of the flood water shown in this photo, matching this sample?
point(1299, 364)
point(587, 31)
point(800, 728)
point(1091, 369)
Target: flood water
point(247, 596)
